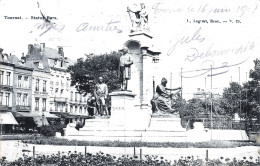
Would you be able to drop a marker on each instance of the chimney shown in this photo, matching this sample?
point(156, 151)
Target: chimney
point(23, 58)
point(1, 51)
point(30, 48)
point(42, 47)
point(60, 51)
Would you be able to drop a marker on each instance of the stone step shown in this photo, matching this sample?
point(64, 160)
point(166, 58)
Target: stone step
point(127, 138)
point(129, 133)
point(112, 133)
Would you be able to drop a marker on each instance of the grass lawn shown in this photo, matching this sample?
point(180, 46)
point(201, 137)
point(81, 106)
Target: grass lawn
point(210, 144)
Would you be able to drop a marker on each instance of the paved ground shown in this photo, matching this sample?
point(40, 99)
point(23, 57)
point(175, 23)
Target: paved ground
point(14, 149)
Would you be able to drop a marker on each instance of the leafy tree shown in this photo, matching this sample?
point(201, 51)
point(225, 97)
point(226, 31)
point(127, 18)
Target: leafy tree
point(246, 96)
point(232, 98)
point(85, 73)
point(255, 73)
point(252, 92)
point(196, 107)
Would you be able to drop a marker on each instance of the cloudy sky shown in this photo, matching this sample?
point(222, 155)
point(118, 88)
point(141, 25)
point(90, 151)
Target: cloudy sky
point(192, 35)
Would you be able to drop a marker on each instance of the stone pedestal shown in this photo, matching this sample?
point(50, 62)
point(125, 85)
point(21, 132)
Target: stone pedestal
point(143, 68)
point(123, 113)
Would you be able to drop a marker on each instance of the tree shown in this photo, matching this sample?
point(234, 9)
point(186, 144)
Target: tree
point(252, 91)
point(196, 107)
point(193, 107)
point(244, 99)
point(85, 73)
point(231, 98)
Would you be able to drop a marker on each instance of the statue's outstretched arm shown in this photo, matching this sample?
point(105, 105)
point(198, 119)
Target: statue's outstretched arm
point(174, 89)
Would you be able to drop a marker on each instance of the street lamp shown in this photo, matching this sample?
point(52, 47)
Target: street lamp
point(211, 108)
point(43, 119)
point(1, 126)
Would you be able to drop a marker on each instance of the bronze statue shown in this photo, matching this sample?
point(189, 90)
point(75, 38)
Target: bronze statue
point(162, 100)
point(138, 17)
point(101, 93)
point(124, 68)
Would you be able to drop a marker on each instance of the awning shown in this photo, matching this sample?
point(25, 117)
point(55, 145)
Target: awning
point(25, 114)
point(37, 117)
point(65, 115)
point(40, 121)
point(49, 115)
point(7, 118)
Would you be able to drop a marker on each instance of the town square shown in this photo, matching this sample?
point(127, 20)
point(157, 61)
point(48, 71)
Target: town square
point(130, 83)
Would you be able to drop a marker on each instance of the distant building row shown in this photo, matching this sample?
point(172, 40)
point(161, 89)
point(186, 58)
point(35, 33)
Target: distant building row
point(39, 84)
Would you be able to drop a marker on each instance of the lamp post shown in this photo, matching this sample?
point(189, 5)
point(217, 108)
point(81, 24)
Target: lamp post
point(211, 108)
point(205, 92)
point(239, 93)
point(1, 126)
point(181, 83)
point(43, 119)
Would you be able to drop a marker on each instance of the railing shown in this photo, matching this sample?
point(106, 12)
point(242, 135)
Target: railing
point(6, 87)
point(225, 125)
point(60, 99)
point(217, 123)
point(22, 107)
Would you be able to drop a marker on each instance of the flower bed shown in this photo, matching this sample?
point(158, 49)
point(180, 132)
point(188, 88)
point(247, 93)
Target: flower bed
point(79, 159)
point(210, 144)
point(21, 137)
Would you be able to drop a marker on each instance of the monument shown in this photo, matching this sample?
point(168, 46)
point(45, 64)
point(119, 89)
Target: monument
point(137, 112)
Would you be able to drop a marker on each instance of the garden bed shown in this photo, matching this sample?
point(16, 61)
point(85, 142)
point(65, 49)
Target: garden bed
point(21, 137)
point(210, 144)
point(126, 160)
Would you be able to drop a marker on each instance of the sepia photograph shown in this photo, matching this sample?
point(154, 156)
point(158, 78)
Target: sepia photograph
point(129, 83)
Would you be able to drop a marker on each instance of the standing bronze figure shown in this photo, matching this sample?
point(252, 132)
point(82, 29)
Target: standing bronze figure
point(125, 68)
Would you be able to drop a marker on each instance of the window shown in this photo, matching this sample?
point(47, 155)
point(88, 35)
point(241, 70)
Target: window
point(80, 110)
point(43, 104)
point(36, 104)
point(57, 82)
point(76, 96)
point(26, 82)
point(80, 98)
point(71, 108)
point(25, 99)
point(61, 92)
point(7, 97)
point(37, 85)
point(19, 95)
point(1, 98)
point(44, 86)
point(61, 80)
point(8, 74)
point(56, 90)
point(61, 109)
point(19, 83)
point(71, 96)
point(56, 106)
point(2, 77)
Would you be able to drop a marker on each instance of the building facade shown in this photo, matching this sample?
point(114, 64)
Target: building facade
point(6, 82)
point(7, 120)
point(22, 94)
point(58, 83)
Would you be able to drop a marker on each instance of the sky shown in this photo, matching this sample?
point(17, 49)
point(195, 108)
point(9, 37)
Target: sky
point(192, 36)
